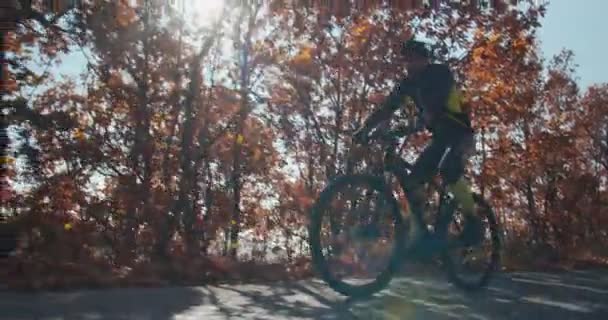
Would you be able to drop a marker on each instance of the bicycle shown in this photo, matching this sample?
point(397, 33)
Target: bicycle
point(435, 240)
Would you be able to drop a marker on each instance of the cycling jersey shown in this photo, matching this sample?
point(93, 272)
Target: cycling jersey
point(435, 91)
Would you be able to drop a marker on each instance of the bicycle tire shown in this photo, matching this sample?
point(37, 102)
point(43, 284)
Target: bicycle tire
point(448, 263)
point(319, 261)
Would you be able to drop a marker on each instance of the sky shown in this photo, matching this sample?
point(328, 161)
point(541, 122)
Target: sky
point(579, 26)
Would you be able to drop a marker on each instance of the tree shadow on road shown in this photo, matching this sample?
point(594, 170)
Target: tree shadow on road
point(115, 304)
point(279, 301)
point(512, 296)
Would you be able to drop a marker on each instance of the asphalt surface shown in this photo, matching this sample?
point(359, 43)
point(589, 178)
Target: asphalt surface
point(559, 296)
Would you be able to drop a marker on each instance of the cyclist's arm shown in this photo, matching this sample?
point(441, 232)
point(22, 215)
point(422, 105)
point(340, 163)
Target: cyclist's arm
point(390, 105)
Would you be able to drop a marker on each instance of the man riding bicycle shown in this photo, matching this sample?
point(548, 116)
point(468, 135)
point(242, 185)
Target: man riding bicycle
point(437, 98)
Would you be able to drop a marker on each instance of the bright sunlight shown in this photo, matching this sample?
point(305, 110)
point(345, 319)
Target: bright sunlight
point(203, 11)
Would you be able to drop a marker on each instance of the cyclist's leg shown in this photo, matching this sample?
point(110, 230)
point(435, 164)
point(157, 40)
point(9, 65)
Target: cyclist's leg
point(422, 172)
point(453, 171)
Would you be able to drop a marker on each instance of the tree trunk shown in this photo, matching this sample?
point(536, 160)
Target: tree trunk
point(537, 229)
point(288, 249)
point(235, 221)
point(226, 241)
point(141, 152)
point(251, 12)
point(205, 238)
point(483, 162)
point(533, 217)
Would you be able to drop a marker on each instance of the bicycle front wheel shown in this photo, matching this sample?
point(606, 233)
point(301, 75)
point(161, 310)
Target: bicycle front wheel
point(350, 209)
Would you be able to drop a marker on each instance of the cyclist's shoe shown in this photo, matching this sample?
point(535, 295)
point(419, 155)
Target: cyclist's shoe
point(473, 232)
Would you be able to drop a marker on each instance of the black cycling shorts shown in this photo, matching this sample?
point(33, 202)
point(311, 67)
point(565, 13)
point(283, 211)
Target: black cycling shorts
point(451, 142)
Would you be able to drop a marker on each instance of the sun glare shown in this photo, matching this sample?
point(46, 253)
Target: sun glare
point(203, 11)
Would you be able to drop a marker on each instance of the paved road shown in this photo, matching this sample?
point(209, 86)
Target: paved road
point(559, 296)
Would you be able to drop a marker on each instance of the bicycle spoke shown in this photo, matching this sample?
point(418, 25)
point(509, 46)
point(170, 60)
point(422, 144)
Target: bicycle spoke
point(469, 266)
point(360, 244)
point(361, 258)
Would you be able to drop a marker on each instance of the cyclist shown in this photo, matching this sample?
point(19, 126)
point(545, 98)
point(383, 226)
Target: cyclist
point(440, 107)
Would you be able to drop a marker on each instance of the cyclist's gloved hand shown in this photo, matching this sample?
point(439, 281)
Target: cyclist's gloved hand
point(361, 136)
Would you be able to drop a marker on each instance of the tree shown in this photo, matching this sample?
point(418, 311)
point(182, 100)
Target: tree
point(179, 142)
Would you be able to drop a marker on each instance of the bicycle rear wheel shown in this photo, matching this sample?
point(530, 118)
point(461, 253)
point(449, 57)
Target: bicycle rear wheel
point(375, 208)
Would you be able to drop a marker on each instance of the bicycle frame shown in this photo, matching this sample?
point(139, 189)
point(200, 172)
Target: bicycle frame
point(396, 165)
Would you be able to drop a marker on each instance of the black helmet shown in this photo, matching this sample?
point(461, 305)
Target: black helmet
point(414, 46)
